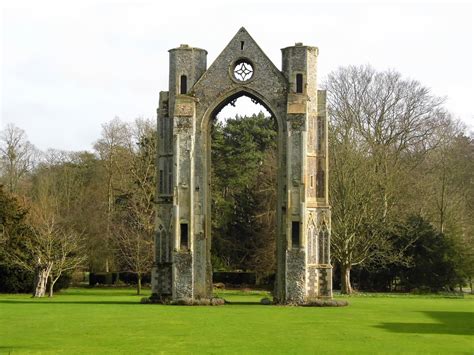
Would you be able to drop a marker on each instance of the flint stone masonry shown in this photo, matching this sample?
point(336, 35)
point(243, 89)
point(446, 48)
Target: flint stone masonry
point(295, 276)
point(186, 112)
point(183, 277)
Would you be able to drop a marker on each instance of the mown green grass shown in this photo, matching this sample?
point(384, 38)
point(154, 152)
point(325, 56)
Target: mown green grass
point(112, 321)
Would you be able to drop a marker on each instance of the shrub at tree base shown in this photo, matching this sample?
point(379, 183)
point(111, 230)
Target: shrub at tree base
point(63, 282)
point(15, 280)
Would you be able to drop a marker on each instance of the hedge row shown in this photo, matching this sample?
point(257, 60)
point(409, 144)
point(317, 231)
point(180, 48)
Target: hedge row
point(234, 277)
point(112, 278)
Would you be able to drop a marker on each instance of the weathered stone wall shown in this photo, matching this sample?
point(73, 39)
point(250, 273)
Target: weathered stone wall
point(184, 166)
point(182, 275)
point(325, 282)
point(185, 60)
point(218, 82)
point(162, 279)
point(312, 285)
point(295, 276)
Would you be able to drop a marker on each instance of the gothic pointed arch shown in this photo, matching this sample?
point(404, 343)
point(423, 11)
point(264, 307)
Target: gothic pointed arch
point(184, 117)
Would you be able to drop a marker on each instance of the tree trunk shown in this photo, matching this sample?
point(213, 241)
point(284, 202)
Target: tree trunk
point(52, 282)
point(51, 285)
point(442, 209)
point(139, 284)
point(346, 287)
point(41, 280)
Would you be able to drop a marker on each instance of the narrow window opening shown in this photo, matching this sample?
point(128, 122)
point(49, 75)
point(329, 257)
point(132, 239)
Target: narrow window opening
point(299, 83)
point(170, 134)
point(184, 84)
point(165, 176)
point(158, 253)
point(313, 256)
point(323, 244)
point(170, 183)
point(184, 236)
point(166, 143)
point(320, 181)
point(295, 234)
point(164, 128)
point(166, 246)
point(170, 176)
point(311, 182)
point(320, 133)
point(241, 45)
point(161, 182)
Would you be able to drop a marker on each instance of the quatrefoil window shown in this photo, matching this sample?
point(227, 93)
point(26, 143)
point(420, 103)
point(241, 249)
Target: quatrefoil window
point(243, 70)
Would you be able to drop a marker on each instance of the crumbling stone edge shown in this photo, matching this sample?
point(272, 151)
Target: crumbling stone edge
point(318, 302)
point(214, 301)
point(326, 303)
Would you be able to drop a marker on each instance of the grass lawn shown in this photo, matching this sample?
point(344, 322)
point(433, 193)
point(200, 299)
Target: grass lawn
point(113, 321)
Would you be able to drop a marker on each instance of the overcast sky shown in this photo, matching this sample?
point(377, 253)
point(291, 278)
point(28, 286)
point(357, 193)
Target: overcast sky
point(70, 66)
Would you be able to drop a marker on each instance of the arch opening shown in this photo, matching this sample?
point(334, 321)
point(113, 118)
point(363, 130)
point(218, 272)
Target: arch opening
point(243, 182)
point(247, 99)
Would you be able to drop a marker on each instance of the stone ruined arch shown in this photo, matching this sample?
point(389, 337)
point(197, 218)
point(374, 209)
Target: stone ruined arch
point(185, 116)
point(236, 93)
point(206, 124)
point(211, 113)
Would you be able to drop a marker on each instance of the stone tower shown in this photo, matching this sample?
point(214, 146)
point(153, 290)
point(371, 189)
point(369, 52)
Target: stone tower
point(186, 112)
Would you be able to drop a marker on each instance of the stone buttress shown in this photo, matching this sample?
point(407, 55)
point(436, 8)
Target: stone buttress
point(182, 268)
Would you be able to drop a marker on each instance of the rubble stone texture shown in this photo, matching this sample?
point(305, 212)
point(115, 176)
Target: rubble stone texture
point(196, 93)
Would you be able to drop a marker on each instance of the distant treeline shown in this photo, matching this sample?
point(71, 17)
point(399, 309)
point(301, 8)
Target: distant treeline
point(401, 181)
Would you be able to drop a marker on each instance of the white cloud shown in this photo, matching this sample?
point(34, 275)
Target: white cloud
point(68, 67)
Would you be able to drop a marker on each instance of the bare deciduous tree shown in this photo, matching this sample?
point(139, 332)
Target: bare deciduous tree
point(134, 228)
point(52, 250)
point(69, 255)
point(135, 251)
point(17, 156)
point(390, 117)
point(111, 148)
point(380, 124)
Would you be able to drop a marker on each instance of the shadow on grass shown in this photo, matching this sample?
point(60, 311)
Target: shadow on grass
point(454, 323)
point(11, 349)
point(243, 303)
point(100, 293)
point(49, 301)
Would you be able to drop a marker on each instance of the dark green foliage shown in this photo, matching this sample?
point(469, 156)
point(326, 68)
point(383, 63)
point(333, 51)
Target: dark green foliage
point(12, 217)
point(112, 278)
point(13, 230)
point(234, 278)
point(243, 187)
point(103, 278)
point(431, 262)
point(432, 255)
point(15, 280)
point(63, 282)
